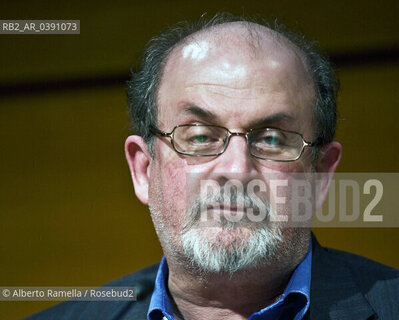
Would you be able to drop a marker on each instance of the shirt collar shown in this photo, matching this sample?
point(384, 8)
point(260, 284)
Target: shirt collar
point(160, 305)
point(299, 284)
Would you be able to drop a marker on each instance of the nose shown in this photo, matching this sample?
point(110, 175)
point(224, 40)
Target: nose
point(236, 159)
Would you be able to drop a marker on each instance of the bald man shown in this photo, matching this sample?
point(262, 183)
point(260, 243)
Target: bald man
point(237, 105)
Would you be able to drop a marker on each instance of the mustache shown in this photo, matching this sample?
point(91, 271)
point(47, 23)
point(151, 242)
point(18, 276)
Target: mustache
point(233, 200)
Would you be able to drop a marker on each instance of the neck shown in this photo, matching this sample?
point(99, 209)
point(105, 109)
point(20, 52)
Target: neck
point(230, 296)
point(201, 295)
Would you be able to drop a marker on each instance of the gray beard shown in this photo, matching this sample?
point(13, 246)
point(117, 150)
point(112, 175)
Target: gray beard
point(208, 257)
point(259, 248)
point(244, 245)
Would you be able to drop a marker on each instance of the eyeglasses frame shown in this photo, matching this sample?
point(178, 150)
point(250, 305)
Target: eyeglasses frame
point(155, 131)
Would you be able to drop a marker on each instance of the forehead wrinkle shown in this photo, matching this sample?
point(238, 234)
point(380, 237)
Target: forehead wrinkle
point(232, 91)
point(209, 84)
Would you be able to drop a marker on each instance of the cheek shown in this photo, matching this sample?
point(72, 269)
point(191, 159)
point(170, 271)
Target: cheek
point(174, 184)
point(167, 191)
point(286, 169)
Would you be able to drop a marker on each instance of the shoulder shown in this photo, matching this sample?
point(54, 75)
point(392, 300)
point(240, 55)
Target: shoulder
point(142, 280)
point(361, 268)
point(340, 279)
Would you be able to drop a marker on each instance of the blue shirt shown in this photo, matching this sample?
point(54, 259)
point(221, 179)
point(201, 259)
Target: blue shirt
point(292, 305)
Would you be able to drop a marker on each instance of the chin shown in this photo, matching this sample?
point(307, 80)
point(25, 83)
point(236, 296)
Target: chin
point(228, 237)
point(227, 250)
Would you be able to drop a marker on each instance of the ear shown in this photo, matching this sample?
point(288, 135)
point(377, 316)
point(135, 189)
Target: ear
point(328, 160)
point(138, 158)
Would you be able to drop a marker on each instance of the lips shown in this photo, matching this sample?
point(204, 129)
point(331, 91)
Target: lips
point(227, 207)
point(226, 213)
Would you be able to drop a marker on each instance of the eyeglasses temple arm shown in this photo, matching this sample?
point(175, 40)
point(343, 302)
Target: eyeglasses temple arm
point(155, 130)
point(309, 144)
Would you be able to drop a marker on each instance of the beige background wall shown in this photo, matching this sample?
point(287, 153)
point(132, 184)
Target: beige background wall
point(68, 214)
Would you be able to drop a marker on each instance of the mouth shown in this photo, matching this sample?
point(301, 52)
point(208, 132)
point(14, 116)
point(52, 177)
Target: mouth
point(231, 208)
point(227, 208)
point(227, 214)
point(231, 214)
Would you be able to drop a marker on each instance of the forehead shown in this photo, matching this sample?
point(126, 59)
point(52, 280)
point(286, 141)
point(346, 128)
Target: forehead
point(230, 63)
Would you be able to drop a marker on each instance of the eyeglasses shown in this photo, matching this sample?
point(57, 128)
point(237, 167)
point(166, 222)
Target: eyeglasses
point(200, 140)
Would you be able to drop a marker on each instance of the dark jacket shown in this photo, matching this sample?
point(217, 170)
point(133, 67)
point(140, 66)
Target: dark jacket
point(344, 287)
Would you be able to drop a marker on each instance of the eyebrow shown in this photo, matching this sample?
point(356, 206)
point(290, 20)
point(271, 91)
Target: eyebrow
point(271, 120)
point(202, 113)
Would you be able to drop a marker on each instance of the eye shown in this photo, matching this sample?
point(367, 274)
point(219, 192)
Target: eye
point(197, 135)
point(269, 139)
point(200, 138)
point(273, 140)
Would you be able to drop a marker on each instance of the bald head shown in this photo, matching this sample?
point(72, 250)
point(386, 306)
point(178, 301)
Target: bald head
point(240, 43)
point(222, 35)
